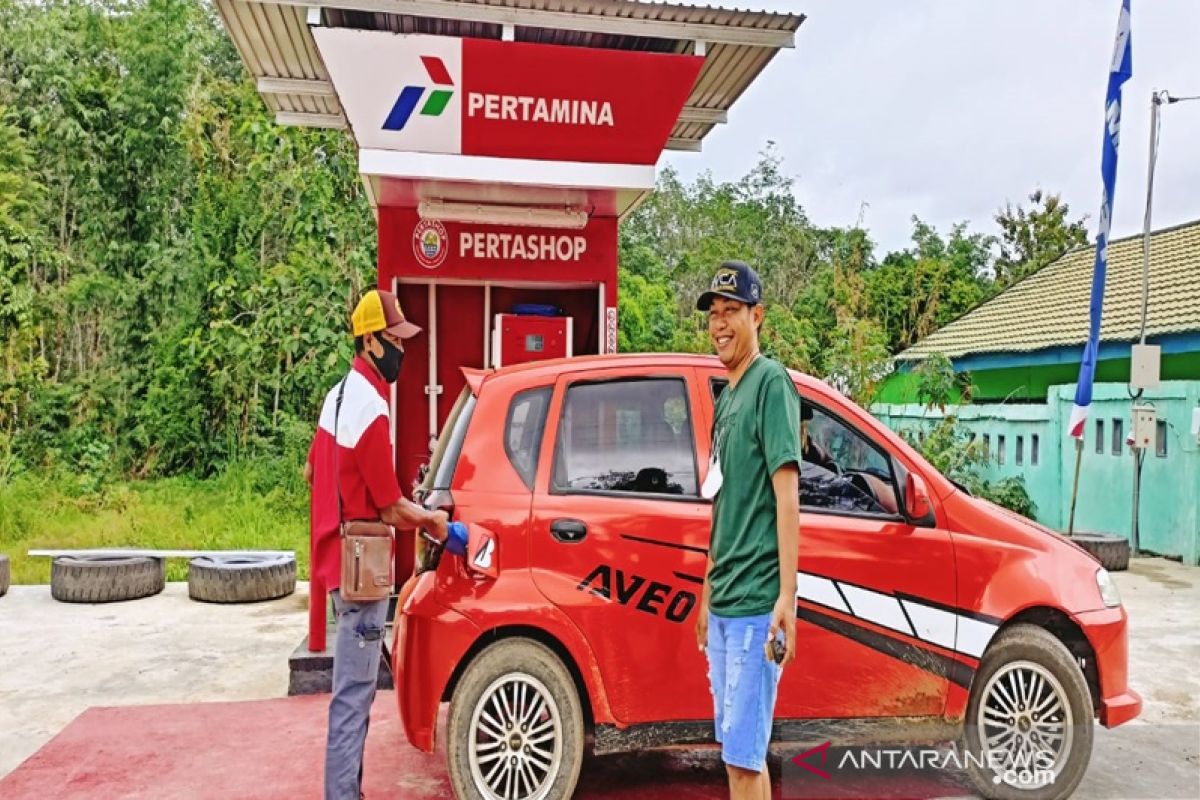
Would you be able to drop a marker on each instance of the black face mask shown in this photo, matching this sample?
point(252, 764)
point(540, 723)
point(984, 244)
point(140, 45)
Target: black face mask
point(388, 363)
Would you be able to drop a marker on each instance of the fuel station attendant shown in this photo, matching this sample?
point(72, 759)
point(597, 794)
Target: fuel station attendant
point(357, 462)
point(749, 595)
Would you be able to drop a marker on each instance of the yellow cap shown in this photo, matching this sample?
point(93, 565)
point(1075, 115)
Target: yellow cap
point(380, 311)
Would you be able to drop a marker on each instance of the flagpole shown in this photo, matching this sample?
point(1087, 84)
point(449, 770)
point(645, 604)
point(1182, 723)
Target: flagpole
point(1120, 69)
point(1075, 487)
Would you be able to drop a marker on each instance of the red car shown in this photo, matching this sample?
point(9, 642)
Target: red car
point(924, 614)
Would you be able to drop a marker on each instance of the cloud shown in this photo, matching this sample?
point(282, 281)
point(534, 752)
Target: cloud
point(946, 110)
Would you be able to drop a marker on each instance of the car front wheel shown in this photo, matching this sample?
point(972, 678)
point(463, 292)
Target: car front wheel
point(1029, 719)
point(516, 727)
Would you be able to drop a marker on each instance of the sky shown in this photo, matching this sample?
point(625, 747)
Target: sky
point(947, 109)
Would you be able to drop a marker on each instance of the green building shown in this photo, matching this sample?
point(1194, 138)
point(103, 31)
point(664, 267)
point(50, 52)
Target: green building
point(1021, 352)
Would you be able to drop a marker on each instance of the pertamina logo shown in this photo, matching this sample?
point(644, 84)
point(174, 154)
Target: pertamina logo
point(503, 107)
point(410, 96)
point(430, 243)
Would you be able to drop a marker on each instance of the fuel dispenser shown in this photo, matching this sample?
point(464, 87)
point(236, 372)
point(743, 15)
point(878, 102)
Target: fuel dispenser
point(531, 334)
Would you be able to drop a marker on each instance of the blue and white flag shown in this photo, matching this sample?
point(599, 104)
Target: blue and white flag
point(1122, 68)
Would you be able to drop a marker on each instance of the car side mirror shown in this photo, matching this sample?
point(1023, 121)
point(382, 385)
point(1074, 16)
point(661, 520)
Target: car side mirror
point(917, 506)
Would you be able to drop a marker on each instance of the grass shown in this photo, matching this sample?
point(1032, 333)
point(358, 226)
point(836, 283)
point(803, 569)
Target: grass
point(255, 506)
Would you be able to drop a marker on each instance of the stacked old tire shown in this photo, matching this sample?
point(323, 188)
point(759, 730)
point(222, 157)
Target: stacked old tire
point(105, 578)
point(1111, 551)
point(243, 578)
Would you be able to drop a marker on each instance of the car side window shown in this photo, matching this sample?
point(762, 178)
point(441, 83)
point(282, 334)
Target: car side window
point(630, 435)
point(523, 431)
point(842, 471)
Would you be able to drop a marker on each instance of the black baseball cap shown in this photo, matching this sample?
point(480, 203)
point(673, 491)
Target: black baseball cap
point(735, 280)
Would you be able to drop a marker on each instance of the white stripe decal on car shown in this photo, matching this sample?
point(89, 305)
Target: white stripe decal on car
point(879, 608)
point(973, 636)
point(933, 624)
point(958, 631)
point(820, 590)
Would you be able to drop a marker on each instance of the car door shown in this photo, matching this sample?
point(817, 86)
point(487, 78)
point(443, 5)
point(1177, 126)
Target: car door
point(619, 534)
point(875, 622)
point(873, 589)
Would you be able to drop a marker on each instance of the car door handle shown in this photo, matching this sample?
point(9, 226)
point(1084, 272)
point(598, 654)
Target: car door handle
point(568, 531)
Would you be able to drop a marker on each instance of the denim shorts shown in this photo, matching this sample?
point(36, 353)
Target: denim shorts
point(744, 685)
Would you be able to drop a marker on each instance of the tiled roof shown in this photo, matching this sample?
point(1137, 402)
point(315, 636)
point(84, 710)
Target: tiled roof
point(1050, 307)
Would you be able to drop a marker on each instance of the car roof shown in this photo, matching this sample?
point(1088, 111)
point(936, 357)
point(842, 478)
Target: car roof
point(551, 368)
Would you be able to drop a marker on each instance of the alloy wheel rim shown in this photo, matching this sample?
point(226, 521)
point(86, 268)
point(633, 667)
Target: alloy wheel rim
point(516, 739)
point(1025, 726)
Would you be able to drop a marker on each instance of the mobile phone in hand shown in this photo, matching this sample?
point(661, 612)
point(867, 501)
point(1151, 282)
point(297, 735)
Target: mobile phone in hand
point(775, 650)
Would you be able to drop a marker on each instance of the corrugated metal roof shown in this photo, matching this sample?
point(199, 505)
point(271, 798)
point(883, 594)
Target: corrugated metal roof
point(274, 41)
point(1050, 307)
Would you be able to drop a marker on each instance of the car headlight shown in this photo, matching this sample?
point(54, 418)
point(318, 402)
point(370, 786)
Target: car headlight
point(1108, 588)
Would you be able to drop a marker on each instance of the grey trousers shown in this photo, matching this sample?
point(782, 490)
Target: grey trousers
point(356, 650)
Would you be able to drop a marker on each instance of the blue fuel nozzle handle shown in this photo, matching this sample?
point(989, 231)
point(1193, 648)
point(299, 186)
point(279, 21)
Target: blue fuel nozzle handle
point(456, 538)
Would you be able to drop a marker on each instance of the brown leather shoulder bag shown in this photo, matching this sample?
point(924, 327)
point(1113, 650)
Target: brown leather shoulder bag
point(368, 564)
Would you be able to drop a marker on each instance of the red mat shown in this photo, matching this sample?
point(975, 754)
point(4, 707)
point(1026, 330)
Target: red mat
point(276, 749)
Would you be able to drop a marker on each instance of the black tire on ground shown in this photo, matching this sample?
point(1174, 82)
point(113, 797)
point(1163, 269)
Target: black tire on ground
point(1016, 654)
point(105, 579)
point(1112, 551)
point(241, 579)
point(5, 574)
point(515, 679)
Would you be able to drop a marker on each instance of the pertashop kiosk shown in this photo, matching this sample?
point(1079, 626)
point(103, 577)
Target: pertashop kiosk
point(500, 143)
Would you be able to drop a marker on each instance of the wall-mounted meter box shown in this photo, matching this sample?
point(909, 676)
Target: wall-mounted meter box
point(517, 338)
point(1143, 433)
point(1144, 366)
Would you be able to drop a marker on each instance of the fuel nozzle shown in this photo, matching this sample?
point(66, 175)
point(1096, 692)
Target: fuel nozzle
point(456, 538)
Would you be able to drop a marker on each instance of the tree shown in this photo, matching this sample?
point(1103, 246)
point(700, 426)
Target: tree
point(1032, 238)
point(197, 261)
point(693, 228)
point(914, 292)
point(939, 385)
point(21, 368)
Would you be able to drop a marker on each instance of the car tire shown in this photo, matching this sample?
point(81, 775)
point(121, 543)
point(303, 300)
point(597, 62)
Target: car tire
point(105, 579)
point(1030, 660)
point(5, 574)
point(245, 578)
point(1111, 551)
point(511, 680)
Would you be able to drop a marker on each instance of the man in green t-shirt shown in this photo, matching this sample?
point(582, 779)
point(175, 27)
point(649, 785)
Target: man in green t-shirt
point(749, 599)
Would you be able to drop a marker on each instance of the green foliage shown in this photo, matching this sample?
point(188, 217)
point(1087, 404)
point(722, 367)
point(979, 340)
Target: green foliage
point(956, 453)
point(952, 448)
point(916, 291)
point(260, 505)
point(1011, 494)
point(176, 269)
point(21, 371)
point(939, 385)
point(1031, 239)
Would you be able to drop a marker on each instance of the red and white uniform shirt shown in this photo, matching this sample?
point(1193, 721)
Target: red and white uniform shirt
point(361, 453)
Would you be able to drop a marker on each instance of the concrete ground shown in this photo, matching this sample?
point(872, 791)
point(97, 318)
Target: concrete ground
point(57, 660)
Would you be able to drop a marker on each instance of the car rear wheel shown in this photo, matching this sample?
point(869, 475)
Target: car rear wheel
point(1029, 720)
point(516, 726)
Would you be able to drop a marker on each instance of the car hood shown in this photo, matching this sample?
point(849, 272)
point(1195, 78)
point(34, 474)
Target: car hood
point(1009, 526)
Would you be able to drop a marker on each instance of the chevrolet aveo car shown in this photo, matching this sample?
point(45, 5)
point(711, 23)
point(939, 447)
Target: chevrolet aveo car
point(924, 614)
